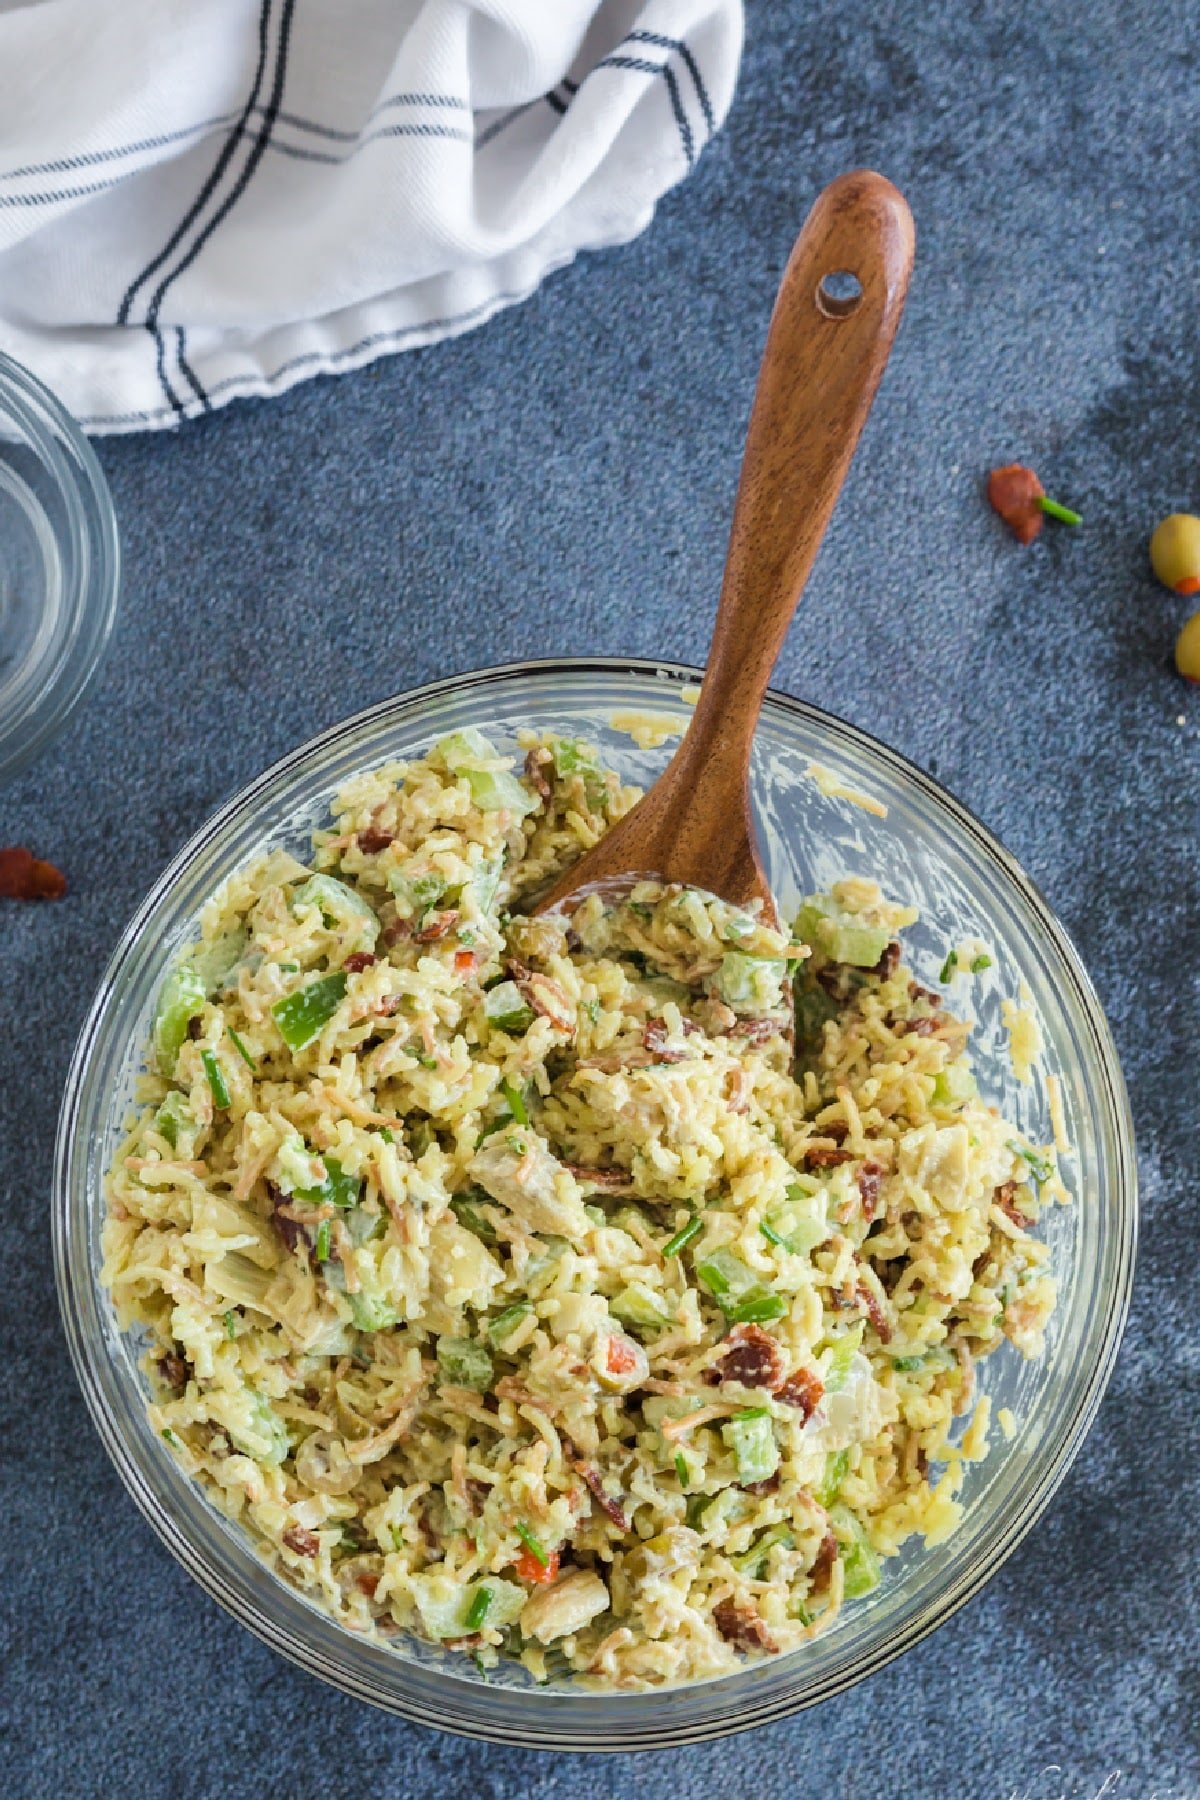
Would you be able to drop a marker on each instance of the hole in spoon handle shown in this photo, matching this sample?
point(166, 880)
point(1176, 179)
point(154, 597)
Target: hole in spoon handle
point(839, 294)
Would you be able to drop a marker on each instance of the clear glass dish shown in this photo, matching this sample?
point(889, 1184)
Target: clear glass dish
point(59, 566)
point(928, 850)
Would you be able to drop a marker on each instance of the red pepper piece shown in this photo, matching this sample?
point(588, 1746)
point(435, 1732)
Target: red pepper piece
point(1014, 492)
point(24, 877)
point(528, 1568)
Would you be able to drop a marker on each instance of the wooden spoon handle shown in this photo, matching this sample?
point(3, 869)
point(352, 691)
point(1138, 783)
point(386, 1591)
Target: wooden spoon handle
point(820, 369)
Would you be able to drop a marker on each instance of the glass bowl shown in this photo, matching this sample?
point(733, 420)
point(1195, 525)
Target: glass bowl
point(59, 566)
point(928, 850)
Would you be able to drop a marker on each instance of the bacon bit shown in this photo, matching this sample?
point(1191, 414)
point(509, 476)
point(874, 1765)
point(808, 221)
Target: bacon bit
point(303, 1542)
point(917, 992)
point(837, 1129)
point(1013, 492)
point(822, 1564)
point(917, 1027)
point(372, 841)
point(738, 1096)
point(889, 961)
point(751, 1356)
point(358, 961)
point(510, 1388)
point(655, 1040)
point(436, 926)
point(816, 1156)
point(758, 1032)
point(366, 1581)
point(769, 1486)
point(803, 1390)
point(398, 930)
point(600, 1178)
point(534, 764)
point(195, 1028)
point(741, 1626)
point(1004, 1199)
point(870, 1181)
point(173, 1371)
point(872, 1305)
point(526, 1567)
point(23, 876)
point(591, 1478)
point(464, 962)
point(621, 1357)
point(285, 1223)
point(543, 995)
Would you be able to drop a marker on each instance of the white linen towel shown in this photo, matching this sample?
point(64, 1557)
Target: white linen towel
point(201, 199)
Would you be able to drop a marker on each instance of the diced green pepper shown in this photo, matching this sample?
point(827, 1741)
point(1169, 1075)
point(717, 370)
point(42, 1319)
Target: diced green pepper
point(750, 1560)
point(504, 1324)
point(498, 790)
point(841, 937)
point(837, 1467)
point(338, 905)
point(173, 1116)
point(216, 1078)
point(752, 1441)
point(180, 1000)
point(371, 1312)
point(464, 1363)
point(302, 1016)
point(573, 758)
point(639, 1307)
point(506, 1008)
point(338, 1188)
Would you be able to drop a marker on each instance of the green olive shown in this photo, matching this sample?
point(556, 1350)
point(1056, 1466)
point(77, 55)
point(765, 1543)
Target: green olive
point(1175, 553)
point(1187, 649)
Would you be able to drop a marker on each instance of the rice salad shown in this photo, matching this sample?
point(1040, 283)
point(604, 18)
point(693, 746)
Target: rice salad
point(604, 1291)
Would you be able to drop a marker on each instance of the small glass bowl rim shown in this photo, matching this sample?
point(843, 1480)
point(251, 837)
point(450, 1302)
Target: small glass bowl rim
point(534, 1727)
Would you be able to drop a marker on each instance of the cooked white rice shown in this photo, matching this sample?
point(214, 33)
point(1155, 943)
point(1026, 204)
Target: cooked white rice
point(521, 1283)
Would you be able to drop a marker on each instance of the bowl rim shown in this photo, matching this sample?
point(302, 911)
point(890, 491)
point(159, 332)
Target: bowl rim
point(91, 596)
point(969, 1581)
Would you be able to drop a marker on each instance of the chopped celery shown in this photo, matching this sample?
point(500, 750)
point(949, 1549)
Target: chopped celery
point(371, 1312)
point(172, 1117)
point(840, 936)
point(506, 1008)
point(465, 1208)
point(844, 1351)
point(744, 980)
point(596, 1214)
point(539, 1267)
point(504, 1324)
point(215, 962)
point(750, 1560)
point(802, 1224)
point(497, 790)
point(859, 1561)
point(683, 1237)
point(724, 1275)
point(638, 1306)
point(338, 905)
point(180, 1000)
point(263, 1436)
point(954, 1086)
point(462, 748)
point(486, 880)
point(240, 1046)
point(418, 892)
point(837, 1467)
point(752, 1441)
point(464, 1363)
point(303, 1015)
point(1040, 1167)
point(573, 758)
point(337, 1189)
point(216, 1078)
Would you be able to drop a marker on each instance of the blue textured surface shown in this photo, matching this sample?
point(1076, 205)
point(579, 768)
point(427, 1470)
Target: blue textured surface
point(561, 482)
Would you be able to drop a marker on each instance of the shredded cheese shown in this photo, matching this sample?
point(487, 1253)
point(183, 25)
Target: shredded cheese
point(1024, 1038)
point(1058, 1118)
point(648, 730)
point(835, 789)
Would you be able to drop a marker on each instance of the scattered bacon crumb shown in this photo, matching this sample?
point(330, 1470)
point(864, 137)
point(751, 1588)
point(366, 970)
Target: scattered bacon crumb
point(436, 926)
point(372, 841)
point(758, 1032)
point(543, 995)
point(397, 930)
point(654, 1038)
point(803, 1390)
point(23, 876)
point(823, 1561)
point(816, 1157)
point(750, 1355)
point(591, 1478)
point(870, 1180)
point(358, 961)
point(173, 1370)
point(534, 763)
point(600, 1178)
point(917, 992)
point(769, 1486)
point(872, 1305)
point(889, 961)
point(917, 1027)
point(302, 1541)
point(1013, 492)
point(742, 1627)
point(1004, 1199)
point(289, 1228)
point(366, 1581)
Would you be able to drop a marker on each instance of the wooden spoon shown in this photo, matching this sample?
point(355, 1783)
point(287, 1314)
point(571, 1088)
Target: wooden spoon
point(826, 351)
